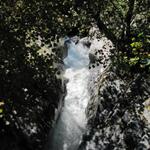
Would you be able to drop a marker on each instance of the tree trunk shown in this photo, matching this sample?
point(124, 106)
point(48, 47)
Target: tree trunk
point(129, 19)
point(102, 27)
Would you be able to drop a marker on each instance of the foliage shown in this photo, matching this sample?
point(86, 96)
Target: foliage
point(139, 58)
point(1, 109)
point(140, 50)
point(28, 77)
point(126, 24)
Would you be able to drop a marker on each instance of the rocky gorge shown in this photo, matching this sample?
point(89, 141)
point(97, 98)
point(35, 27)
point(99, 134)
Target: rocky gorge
point(118, 109)
point(116, 112)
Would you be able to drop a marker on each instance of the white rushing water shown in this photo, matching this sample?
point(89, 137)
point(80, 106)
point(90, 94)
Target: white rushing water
point(71, 124)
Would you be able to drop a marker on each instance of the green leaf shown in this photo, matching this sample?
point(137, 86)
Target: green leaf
point(137, 44)
point(140, 34)
point(1, 110)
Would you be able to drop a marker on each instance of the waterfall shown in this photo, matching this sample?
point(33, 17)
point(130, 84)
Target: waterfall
point(72, 121)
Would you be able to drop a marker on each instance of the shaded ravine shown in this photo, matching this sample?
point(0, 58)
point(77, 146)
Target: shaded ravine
point(72, 121)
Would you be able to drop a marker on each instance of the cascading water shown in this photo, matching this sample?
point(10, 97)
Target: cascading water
point(71, 124)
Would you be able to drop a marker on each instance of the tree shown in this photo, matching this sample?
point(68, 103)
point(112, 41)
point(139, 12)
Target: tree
point(121, 21)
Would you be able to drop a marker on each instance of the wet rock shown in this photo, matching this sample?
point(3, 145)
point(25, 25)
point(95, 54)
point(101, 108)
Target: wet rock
point(92, 58)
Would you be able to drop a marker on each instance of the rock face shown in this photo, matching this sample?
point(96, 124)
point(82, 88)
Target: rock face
point(115, 110)
point(29, 121)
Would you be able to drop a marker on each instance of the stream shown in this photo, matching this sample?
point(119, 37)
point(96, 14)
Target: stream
point(71, 124)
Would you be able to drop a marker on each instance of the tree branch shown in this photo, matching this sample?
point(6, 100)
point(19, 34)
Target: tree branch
point(102, 27)
point(129, 18)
